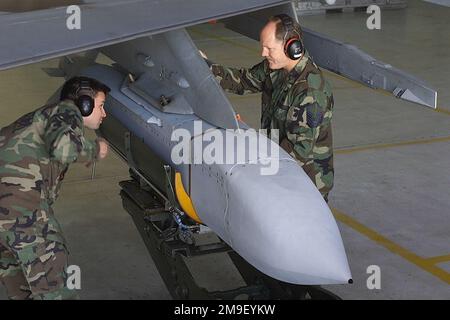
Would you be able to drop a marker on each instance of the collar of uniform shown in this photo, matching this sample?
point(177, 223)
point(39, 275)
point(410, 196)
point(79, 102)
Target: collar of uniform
point(293, 75)
point(67, 102)
point(298, 69)
point(70, 103)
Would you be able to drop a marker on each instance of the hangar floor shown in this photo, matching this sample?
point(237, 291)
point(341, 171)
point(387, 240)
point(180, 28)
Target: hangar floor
point(391, 198)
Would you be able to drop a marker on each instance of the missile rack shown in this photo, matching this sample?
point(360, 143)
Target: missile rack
point(171, 238)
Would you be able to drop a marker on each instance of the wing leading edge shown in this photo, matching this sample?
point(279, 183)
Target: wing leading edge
point(33, 36)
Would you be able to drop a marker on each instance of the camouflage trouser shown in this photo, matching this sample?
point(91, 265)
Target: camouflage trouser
point(33, 254)
point(35, 271)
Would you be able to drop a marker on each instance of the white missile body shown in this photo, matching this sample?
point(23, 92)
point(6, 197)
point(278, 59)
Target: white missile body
point(279, 223)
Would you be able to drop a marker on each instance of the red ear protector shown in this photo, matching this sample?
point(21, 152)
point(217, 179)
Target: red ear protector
point(293, 46)
point(85, 98)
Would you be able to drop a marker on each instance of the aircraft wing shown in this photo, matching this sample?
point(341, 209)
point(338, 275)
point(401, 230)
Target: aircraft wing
point(36, 30)
point(344, 59)
point(33, 31)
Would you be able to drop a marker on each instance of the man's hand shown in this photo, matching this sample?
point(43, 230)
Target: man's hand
point(102, 148)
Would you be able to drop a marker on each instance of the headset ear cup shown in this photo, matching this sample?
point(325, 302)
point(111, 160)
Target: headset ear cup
point(294, 48)
point(85, 104)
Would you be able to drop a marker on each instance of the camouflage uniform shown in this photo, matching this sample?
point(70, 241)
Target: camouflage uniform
point(299, 104)
point(35, 152)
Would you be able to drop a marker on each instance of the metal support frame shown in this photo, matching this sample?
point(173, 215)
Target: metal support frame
point(159, 231)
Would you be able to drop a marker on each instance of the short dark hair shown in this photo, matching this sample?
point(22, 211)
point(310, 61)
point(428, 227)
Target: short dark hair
point(71, 86)
point(280, 32)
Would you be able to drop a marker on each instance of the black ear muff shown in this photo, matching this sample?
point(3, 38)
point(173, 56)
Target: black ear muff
point(293, 46)
point(85, 99)
point(85, 104)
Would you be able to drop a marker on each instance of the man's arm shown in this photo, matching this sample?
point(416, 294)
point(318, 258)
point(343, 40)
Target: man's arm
point(64, 137)
point(240, 81)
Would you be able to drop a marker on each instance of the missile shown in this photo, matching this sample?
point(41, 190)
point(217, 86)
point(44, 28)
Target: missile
point(277, 221)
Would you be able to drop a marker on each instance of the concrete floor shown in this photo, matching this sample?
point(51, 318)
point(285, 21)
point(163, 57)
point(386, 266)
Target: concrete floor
point(391, 197)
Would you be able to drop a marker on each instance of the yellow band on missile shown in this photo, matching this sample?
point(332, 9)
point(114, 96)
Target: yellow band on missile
point(184, 199)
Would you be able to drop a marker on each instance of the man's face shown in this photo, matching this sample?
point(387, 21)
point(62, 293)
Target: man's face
point(272, 48)
point(94, 120)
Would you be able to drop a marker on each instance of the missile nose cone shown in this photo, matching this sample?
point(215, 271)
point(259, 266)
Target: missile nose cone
point(289, 233)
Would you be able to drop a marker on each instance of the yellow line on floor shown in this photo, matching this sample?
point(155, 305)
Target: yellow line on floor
point(390, 145)
point(422, 263)
point(444, 111)
point(439, 259)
